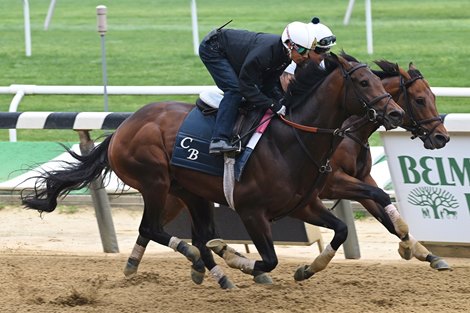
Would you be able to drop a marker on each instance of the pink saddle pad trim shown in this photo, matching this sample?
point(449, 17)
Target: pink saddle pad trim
point(261, 128)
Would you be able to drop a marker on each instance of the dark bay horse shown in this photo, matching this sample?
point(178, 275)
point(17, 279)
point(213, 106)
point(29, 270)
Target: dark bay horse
point(274, 183)
point(352, 162)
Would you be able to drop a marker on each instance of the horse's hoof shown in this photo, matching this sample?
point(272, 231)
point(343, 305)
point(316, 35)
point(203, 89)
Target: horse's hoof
point(405, 251)
point(226, 283)
point(302, 273)
point(440, 264)
point(192, 253)
point(131, 267)
point(216, 245)
point(197, 276)
point(264, 279)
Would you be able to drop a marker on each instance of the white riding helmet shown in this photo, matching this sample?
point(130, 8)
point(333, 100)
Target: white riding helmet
point(300, 34)
point(324, 35)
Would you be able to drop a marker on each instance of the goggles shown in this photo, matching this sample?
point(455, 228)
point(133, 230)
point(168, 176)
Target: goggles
point(326, 42)
point(300, 50)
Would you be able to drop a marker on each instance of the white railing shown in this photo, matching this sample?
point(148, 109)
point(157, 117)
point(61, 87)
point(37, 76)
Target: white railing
point(19, 91)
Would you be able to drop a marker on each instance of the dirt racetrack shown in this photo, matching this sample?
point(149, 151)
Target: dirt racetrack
point(55, 264)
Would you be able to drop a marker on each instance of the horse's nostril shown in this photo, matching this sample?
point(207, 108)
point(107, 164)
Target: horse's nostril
point(397, 116)
point(441, 138)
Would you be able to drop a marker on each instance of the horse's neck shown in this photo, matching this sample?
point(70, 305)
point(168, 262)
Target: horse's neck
point(322, 109)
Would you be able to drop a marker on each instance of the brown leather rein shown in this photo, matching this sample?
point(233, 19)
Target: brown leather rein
point(309, 129)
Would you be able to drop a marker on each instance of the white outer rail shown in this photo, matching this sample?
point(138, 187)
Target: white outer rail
point(21, 90)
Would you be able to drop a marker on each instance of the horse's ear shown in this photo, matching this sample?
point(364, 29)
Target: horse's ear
point(411, 66)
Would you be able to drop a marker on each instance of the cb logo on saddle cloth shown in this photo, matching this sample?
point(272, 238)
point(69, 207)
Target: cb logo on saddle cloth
point(191, 148)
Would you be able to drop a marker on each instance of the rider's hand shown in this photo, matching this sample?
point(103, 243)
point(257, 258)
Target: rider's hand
point(282, 110)
point(279, 107)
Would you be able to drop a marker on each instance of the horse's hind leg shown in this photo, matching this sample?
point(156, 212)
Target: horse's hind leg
point(136, 255)
point(173, 207)
point(203, 228)
point(151, 227)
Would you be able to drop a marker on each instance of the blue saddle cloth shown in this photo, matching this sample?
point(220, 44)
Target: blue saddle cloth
point(191, 148)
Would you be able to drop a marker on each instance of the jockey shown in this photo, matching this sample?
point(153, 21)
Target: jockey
point(248, 64)
point(325, 40)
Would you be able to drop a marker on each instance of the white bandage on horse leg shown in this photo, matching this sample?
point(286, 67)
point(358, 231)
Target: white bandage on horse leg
point(234, 261)
point(322, 260)
point(217, 273)
point(419, 251)
point(400, 225)
point(174, 242)
point(137, 252)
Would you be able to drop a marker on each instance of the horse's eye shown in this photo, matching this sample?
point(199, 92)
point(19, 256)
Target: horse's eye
point(364, 83)
point(420, 101)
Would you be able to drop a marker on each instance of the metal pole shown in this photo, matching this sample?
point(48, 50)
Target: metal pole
point(347, 16)
point(102, 28)
point(351, 245)
point(100, 201)
point(50, 12)
point(195, 27)
point(370, 48)
point(27, 28)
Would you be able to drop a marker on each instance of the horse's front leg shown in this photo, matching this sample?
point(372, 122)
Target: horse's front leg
point(317, 214)
point(236, 260)
point(408, 247)
point(382, 208)
point(259, 229)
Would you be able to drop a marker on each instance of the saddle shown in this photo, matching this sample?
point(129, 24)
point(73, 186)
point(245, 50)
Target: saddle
point(191, 149)
point(249, 117)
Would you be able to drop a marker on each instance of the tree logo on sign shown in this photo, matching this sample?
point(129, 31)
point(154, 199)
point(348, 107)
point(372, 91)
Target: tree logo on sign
point(435, 202)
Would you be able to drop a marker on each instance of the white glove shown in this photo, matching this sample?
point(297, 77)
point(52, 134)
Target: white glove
point(282, 111)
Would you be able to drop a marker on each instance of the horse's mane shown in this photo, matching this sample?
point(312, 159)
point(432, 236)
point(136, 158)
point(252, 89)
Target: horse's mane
point(308, 77)
point(348, 57)
point(388, 69)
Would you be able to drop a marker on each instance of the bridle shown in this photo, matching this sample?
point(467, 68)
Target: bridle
point(367, 105)
point(417, 129)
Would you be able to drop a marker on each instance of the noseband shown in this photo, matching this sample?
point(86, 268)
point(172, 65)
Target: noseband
point(367, 105)
point(417, 129)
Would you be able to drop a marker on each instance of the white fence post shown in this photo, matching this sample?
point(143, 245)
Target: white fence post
point(195, 27)
point(27, 28)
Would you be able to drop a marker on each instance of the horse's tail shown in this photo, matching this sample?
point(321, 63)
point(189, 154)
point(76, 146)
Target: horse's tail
point(72, 176)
